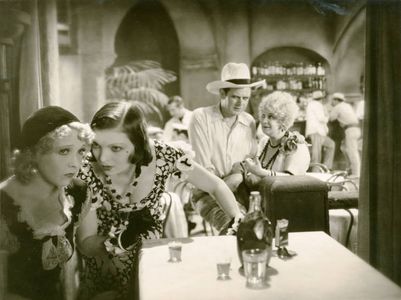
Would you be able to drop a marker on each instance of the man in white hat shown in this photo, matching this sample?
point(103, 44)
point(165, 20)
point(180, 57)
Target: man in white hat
point(316, 130)
point(224, 134)
point(346, 116)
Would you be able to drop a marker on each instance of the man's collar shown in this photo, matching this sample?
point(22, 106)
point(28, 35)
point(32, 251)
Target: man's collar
point(242, 117)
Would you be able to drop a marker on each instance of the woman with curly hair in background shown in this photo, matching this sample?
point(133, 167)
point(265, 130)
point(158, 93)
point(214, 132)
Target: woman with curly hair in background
point(281, 152)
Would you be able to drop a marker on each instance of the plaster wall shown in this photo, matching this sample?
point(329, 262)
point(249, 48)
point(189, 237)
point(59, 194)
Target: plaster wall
point(295, 25)
point(349, 55)
point(210, 33)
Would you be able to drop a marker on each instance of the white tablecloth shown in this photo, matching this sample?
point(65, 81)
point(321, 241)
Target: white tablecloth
point(340, 221)
point(323, 269)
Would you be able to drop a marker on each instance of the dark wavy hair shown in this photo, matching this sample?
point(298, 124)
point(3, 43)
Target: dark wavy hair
point(131, 119)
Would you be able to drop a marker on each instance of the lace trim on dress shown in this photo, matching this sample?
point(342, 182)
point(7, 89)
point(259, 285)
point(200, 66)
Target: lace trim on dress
point(56, 249)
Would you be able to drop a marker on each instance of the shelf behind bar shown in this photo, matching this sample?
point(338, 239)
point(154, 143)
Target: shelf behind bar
point(276, 77)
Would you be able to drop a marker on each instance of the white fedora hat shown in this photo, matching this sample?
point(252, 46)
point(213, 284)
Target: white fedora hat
point(339, 96)
point(317, 95)
point(233, 75)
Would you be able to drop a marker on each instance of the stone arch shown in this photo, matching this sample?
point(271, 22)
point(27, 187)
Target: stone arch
point(198, 58)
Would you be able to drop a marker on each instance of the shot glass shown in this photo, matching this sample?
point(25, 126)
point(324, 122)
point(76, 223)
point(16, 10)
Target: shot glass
point(174, 249)
point(223, 268)
point(255, 267)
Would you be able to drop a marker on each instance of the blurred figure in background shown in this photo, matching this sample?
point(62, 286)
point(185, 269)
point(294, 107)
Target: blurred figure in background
point(155, 133)
point(323, 147)
point(346, 116)
point(179, 115)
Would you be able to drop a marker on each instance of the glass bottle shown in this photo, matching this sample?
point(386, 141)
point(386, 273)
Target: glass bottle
point(255, 230)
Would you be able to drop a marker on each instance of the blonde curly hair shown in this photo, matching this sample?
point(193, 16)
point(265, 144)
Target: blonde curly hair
point(24, 162)
point(283, 107)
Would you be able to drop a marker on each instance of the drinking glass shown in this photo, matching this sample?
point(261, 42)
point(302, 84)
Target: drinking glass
point(223, 264)
point(255, 267)
point(175, 252)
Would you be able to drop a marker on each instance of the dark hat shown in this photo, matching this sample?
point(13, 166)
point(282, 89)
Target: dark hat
point(42, 122)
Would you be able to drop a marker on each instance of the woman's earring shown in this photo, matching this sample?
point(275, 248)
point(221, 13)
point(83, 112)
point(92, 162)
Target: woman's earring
point(34, 171)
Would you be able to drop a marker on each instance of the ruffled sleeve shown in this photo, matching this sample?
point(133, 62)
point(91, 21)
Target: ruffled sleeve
point(297, 163)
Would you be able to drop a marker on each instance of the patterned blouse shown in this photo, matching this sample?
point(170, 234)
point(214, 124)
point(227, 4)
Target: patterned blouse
point(112, 209)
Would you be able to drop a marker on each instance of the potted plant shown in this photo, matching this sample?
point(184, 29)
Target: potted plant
point(141, 82)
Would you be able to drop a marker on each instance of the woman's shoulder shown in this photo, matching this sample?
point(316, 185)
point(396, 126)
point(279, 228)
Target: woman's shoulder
point(8, 195)
point(294, 142)
point(168, 150)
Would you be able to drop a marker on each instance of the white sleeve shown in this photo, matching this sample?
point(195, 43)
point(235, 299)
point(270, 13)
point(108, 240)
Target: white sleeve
point(200, 141)
point(297, 163)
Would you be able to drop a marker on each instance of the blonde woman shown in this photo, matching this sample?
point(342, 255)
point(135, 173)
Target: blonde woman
point(40, 203)
point(281, 151)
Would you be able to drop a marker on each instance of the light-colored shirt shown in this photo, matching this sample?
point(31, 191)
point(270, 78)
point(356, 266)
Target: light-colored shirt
point(360, 109)
point(217, 143)
point(316, 119)
point(344, 113)
point(169, 127)
point(297, 163)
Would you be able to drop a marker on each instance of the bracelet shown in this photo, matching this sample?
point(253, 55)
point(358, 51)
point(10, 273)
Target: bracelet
point(113, 242)
point(232, 230)
point(119, 241)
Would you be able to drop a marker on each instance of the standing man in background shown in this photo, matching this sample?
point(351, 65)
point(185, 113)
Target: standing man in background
point(323, 147)
point(224, 134)
point(345, 114)
point(179, 115)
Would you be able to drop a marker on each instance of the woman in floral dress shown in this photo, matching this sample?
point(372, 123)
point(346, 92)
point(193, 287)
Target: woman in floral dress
point(281, 152)
point(41, 202)
point(127, 178)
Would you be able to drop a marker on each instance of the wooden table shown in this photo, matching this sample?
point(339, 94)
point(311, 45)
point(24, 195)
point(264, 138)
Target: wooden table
point(323, 269)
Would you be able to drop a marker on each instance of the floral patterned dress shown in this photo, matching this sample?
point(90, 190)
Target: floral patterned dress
point(117, 270)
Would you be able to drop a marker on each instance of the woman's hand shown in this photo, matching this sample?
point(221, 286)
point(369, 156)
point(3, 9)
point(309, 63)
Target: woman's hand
point(254, 166)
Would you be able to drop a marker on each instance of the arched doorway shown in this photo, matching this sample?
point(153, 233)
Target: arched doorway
point(147, 33)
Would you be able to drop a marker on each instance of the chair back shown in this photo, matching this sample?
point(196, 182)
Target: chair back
point(302, 200)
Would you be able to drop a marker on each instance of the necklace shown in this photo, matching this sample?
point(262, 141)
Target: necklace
point(263, 155)
point(271, 145)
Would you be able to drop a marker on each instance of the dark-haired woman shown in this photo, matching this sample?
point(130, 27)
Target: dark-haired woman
point(127, 177)
point(37, 207)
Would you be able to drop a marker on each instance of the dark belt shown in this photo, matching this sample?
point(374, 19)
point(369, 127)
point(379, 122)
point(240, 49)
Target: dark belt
point(351, 126)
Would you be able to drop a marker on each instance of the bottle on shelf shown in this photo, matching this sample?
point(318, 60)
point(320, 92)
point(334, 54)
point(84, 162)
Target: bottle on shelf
point(255, 72)
point(256, 230)
point(320, 70)
point(300, 69)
